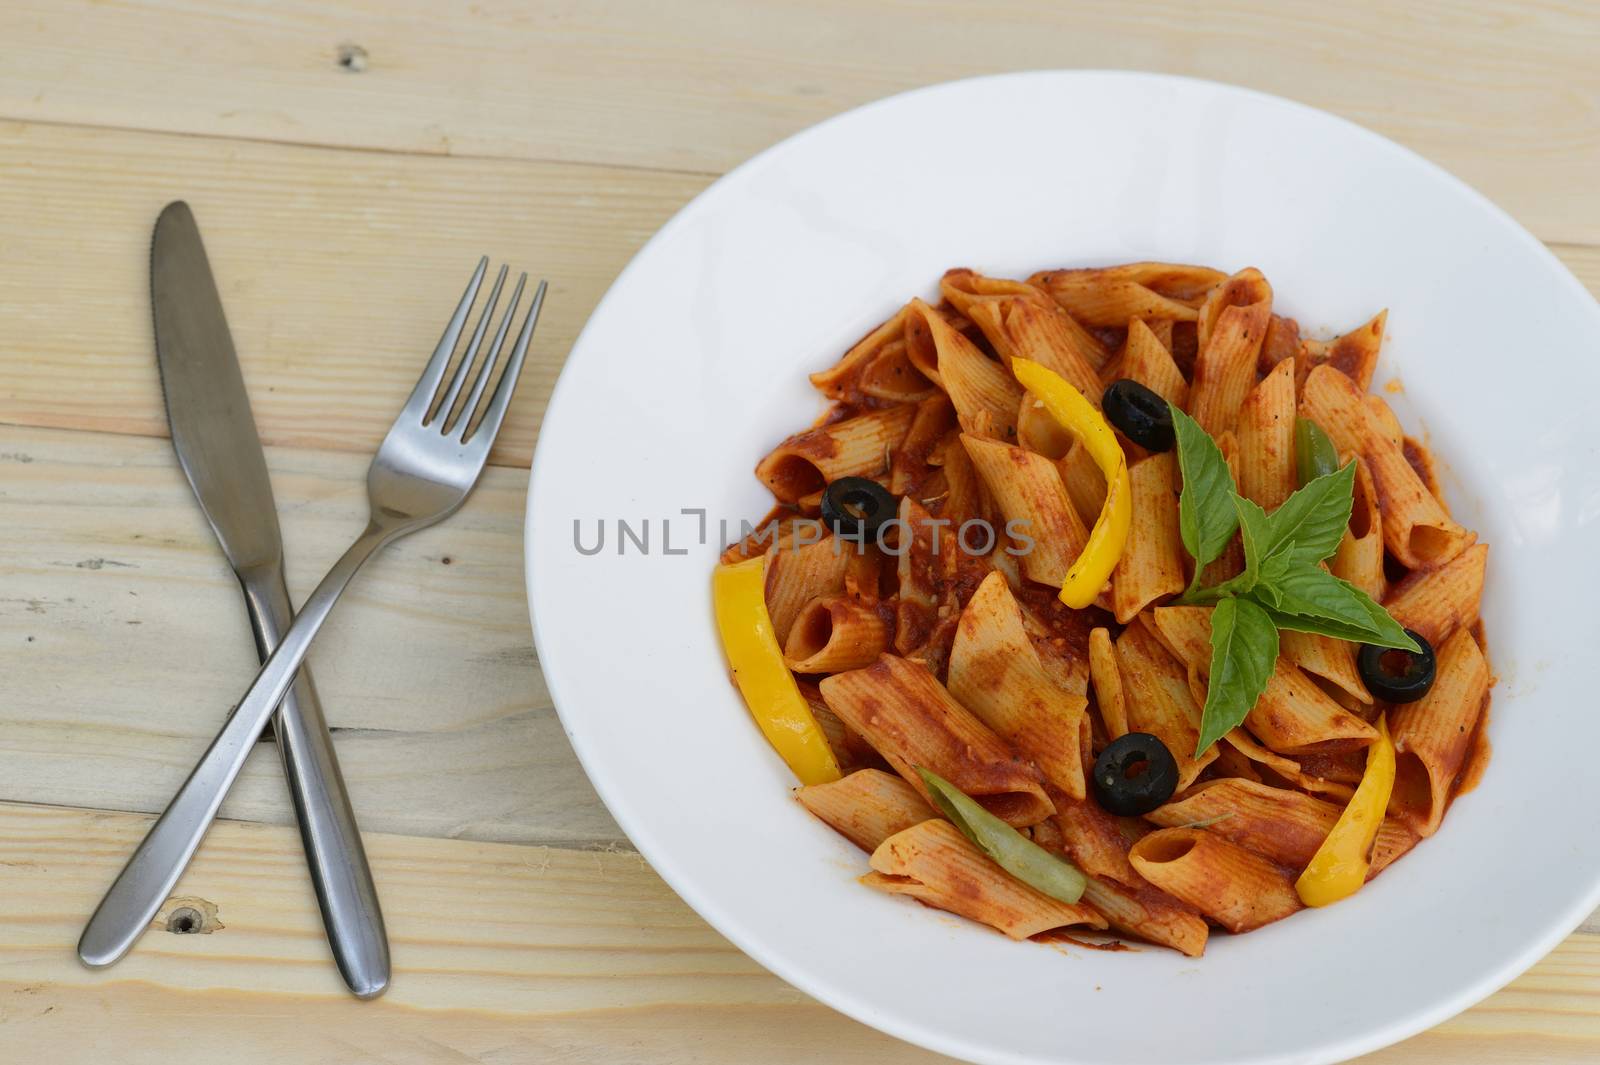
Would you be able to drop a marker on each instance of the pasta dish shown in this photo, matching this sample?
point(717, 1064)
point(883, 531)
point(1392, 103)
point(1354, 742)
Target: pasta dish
point(1109, 601)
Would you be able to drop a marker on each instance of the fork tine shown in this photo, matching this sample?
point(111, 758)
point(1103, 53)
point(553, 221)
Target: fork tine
point(496, 411)
point(422, 396)
point(471, 354)
point(470, 407)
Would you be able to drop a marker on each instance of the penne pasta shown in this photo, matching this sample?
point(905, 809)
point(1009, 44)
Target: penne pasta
point(1150, 914)
point(1134, 907)
point(840, 382)
point(990, 301)
point(910, 719)
point(1185, 631)
point(1265, 436)
point(1225, 369)
point(856, 447)
point(1146, 360)
point(798, 573)
point(996, 674)
point(1416, 529)
point(1063, 653)
point(866, 807)
point(963, 496)
point(1234, 887)
point(1110, 296)
point(1440, 602)
point(1158, 700)
point(1164, 328)
point(1085, 484)
point(1294, 716)
point(1152, 563)
point(1323, 656)
point(1387, 421)
point(1282, 342)
point(1432, 736)
point(1022, 322)
point(1107, 683)
point(1097, 842)
point(1029, 492)
point(909, 463)
point(1285, 827)
point(1242, 289)
point(836, 632)
point(934, 864)
point(1276, 766)
point(1355, 354)
point(892, 377)
point(983, 392)
point(1359, 557)
point(1045, 334)
point(850, 750)
point(1041, 434)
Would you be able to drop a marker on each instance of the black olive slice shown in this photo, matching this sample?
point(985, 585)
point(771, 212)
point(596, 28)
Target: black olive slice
point(855, 507)
point(1134, 774)
point(1397, 676)
point(1138, 414)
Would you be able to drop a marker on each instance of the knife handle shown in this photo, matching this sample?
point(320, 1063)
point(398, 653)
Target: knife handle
point(338, 861)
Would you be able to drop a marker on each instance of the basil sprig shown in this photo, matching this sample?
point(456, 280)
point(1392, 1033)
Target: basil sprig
point(1283, 586)
point(1010, 849)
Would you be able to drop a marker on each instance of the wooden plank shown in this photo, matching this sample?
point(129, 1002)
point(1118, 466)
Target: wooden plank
point(501, 953)
point(331, 318)
point(125, 641)
point(338, 270)
point(1584, 262)
point(1501, 95)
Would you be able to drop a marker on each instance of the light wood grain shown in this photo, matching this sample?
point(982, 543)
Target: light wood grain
point(331, 323)
point(338, 270)
point(503, 954)
point(125, 641)
point(1502, 94)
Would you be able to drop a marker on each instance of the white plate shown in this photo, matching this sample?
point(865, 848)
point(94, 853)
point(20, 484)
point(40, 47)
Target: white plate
point(694, 366)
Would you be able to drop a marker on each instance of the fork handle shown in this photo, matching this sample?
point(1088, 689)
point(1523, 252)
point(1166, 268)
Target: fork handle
point(338, 862)
point(158, 863)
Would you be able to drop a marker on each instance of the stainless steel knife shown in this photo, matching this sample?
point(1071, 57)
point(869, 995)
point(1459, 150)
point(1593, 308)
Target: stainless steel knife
point(215, 437)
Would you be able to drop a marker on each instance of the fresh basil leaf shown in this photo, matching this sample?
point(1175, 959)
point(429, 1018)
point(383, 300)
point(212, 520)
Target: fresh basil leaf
point(1010, 849)
point(1255, 530)
point(1310, 599)
point(1272, 571)
point(1244, 650)
point(1319, 626)
point(1206, 518)
point(1311, 522)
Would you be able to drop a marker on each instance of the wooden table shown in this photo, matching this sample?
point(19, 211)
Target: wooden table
point(348, 162)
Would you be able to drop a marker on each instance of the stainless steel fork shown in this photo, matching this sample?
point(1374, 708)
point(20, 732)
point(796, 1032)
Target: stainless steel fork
point(421, 475)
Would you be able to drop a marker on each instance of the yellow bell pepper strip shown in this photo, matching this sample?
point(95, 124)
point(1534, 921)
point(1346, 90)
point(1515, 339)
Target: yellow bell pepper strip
point(738, 592)
point(1340, 865)
point(1089, 572)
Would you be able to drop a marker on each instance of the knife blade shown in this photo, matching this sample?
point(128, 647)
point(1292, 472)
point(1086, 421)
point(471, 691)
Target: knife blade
point(214, 434)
